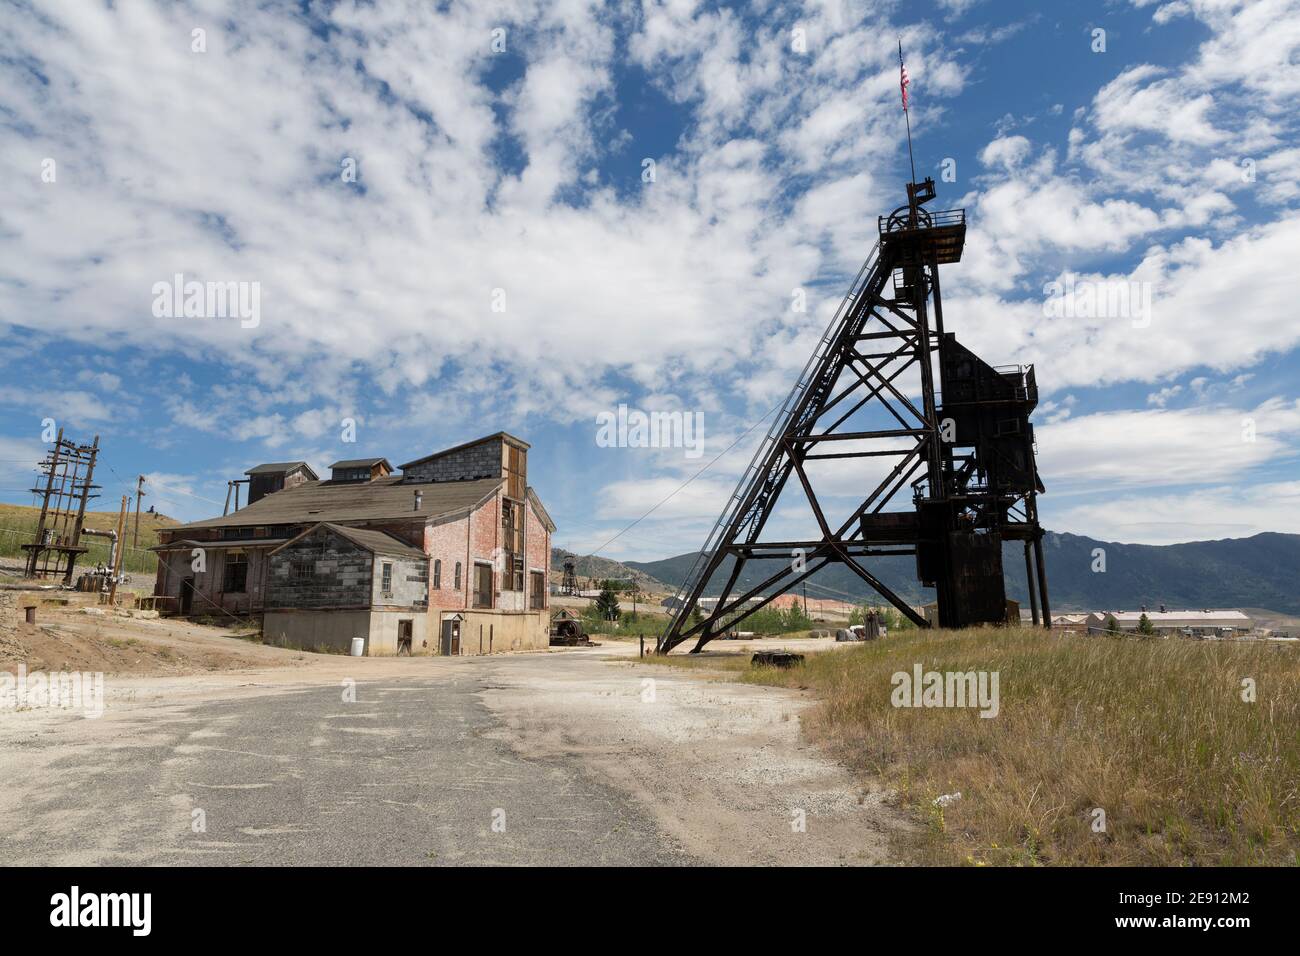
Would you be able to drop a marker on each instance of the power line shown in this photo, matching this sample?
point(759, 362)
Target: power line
point(679, 488)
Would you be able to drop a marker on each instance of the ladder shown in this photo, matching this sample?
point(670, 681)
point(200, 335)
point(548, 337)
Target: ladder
point(745, 497)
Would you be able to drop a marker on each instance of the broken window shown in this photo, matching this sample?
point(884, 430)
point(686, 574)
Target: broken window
point(437, 574)
point(512, 545)
point(482, 585)
point(386, 584)
point(235, 580)
point(457, 575)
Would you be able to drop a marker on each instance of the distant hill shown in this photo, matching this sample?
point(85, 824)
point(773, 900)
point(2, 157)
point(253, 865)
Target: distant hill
point(594, 567)
point(1262, 571)
point(18, 526)
point(25, 516)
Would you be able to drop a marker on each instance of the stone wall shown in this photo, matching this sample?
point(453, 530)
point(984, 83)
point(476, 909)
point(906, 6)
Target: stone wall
point(409, 580)
point(320, 570)
point(477, 461)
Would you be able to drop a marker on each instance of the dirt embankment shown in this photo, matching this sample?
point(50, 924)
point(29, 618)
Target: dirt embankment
point(72, 633)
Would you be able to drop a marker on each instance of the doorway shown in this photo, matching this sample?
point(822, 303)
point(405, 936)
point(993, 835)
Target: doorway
point(451, 637)
point(186, 601)
point(404, 638)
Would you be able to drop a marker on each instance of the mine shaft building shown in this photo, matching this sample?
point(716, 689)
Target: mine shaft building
point(451, 556)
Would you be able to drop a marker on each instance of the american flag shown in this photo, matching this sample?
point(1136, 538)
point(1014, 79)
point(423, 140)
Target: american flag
point(902, 78)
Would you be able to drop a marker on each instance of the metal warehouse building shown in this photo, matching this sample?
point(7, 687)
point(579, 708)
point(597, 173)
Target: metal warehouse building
point(449, 557)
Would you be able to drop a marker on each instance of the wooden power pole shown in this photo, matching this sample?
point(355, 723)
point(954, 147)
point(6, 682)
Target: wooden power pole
point(139, 493)
point(117, 558)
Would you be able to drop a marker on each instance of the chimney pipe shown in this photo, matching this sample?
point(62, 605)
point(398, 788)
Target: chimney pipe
point(419, 496)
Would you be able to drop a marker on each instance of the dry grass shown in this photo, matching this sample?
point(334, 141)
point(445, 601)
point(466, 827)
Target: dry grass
point(18, 527)
point(1153, 732)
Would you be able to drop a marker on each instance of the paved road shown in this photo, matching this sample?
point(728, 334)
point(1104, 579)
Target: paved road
point(405, 775)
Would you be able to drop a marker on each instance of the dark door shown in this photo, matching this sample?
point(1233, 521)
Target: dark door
point(187, 595)
point(404, 638)
point(451, 638)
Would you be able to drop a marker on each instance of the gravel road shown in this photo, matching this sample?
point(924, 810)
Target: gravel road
point(574, 757)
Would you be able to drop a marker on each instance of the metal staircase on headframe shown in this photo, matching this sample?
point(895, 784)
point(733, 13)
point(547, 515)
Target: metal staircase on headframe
point(967, 450)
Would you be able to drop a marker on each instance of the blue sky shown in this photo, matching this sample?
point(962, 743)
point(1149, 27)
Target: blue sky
point(501, 152)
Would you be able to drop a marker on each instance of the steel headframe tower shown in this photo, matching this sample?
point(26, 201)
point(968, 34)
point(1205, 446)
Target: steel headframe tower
point(967, 450)
point(569, 583)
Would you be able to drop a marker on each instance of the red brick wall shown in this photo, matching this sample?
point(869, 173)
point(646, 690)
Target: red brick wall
point(485, 538)
point(446, 543)
point(537, 552)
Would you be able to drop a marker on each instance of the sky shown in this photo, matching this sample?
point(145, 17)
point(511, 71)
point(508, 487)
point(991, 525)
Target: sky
point(450, 219)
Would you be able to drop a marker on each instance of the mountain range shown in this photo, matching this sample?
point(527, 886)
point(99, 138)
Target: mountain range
point(1262, 571)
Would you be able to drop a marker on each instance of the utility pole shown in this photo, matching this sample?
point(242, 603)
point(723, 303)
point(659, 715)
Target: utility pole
point(139, 493)
point(117, 560)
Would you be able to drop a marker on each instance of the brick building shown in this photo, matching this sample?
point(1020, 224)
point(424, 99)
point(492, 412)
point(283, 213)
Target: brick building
point(449, 557)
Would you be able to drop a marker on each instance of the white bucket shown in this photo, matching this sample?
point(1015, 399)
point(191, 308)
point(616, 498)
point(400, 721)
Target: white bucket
point(358, 647)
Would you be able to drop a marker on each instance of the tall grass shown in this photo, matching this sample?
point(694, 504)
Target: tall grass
point(1153, 732)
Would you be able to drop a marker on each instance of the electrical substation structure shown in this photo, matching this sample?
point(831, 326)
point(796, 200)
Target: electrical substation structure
point(68, 474)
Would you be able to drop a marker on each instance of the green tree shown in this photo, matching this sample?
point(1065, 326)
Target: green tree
point(607, 603)
point(1145, 626)
point(1112, 625)
point(797, 619)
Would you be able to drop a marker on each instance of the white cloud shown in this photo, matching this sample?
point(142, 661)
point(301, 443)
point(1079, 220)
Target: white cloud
point(1163, 106)
point(1228, 511)
point(1165, 447)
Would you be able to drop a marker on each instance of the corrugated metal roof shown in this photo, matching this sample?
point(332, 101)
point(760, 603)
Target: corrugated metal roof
point(1160, 617)
point(387, 498)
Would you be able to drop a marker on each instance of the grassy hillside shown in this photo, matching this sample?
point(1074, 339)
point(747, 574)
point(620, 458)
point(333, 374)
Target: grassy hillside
point(18, 527)
point(1259, 571)
point(1155, 733)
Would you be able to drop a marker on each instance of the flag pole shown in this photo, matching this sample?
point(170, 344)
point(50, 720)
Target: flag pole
point(906, 117)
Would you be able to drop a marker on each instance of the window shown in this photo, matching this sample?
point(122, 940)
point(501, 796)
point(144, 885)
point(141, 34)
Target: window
point(482, 585)
point(302, 567)
point(437, 575)
point(512, 545)
point(516, 462)
point(537, 600)
point(236, 573)
point(457, 575)
point(386, 584)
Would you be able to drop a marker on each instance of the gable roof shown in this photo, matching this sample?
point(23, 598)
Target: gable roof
point(361, 463)
point(384, 499)
point(541, 512)
point(278, 467)
point(376, 542)
point(498, 436)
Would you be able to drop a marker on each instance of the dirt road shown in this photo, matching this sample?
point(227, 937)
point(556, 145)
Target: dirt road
point(577, 756)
